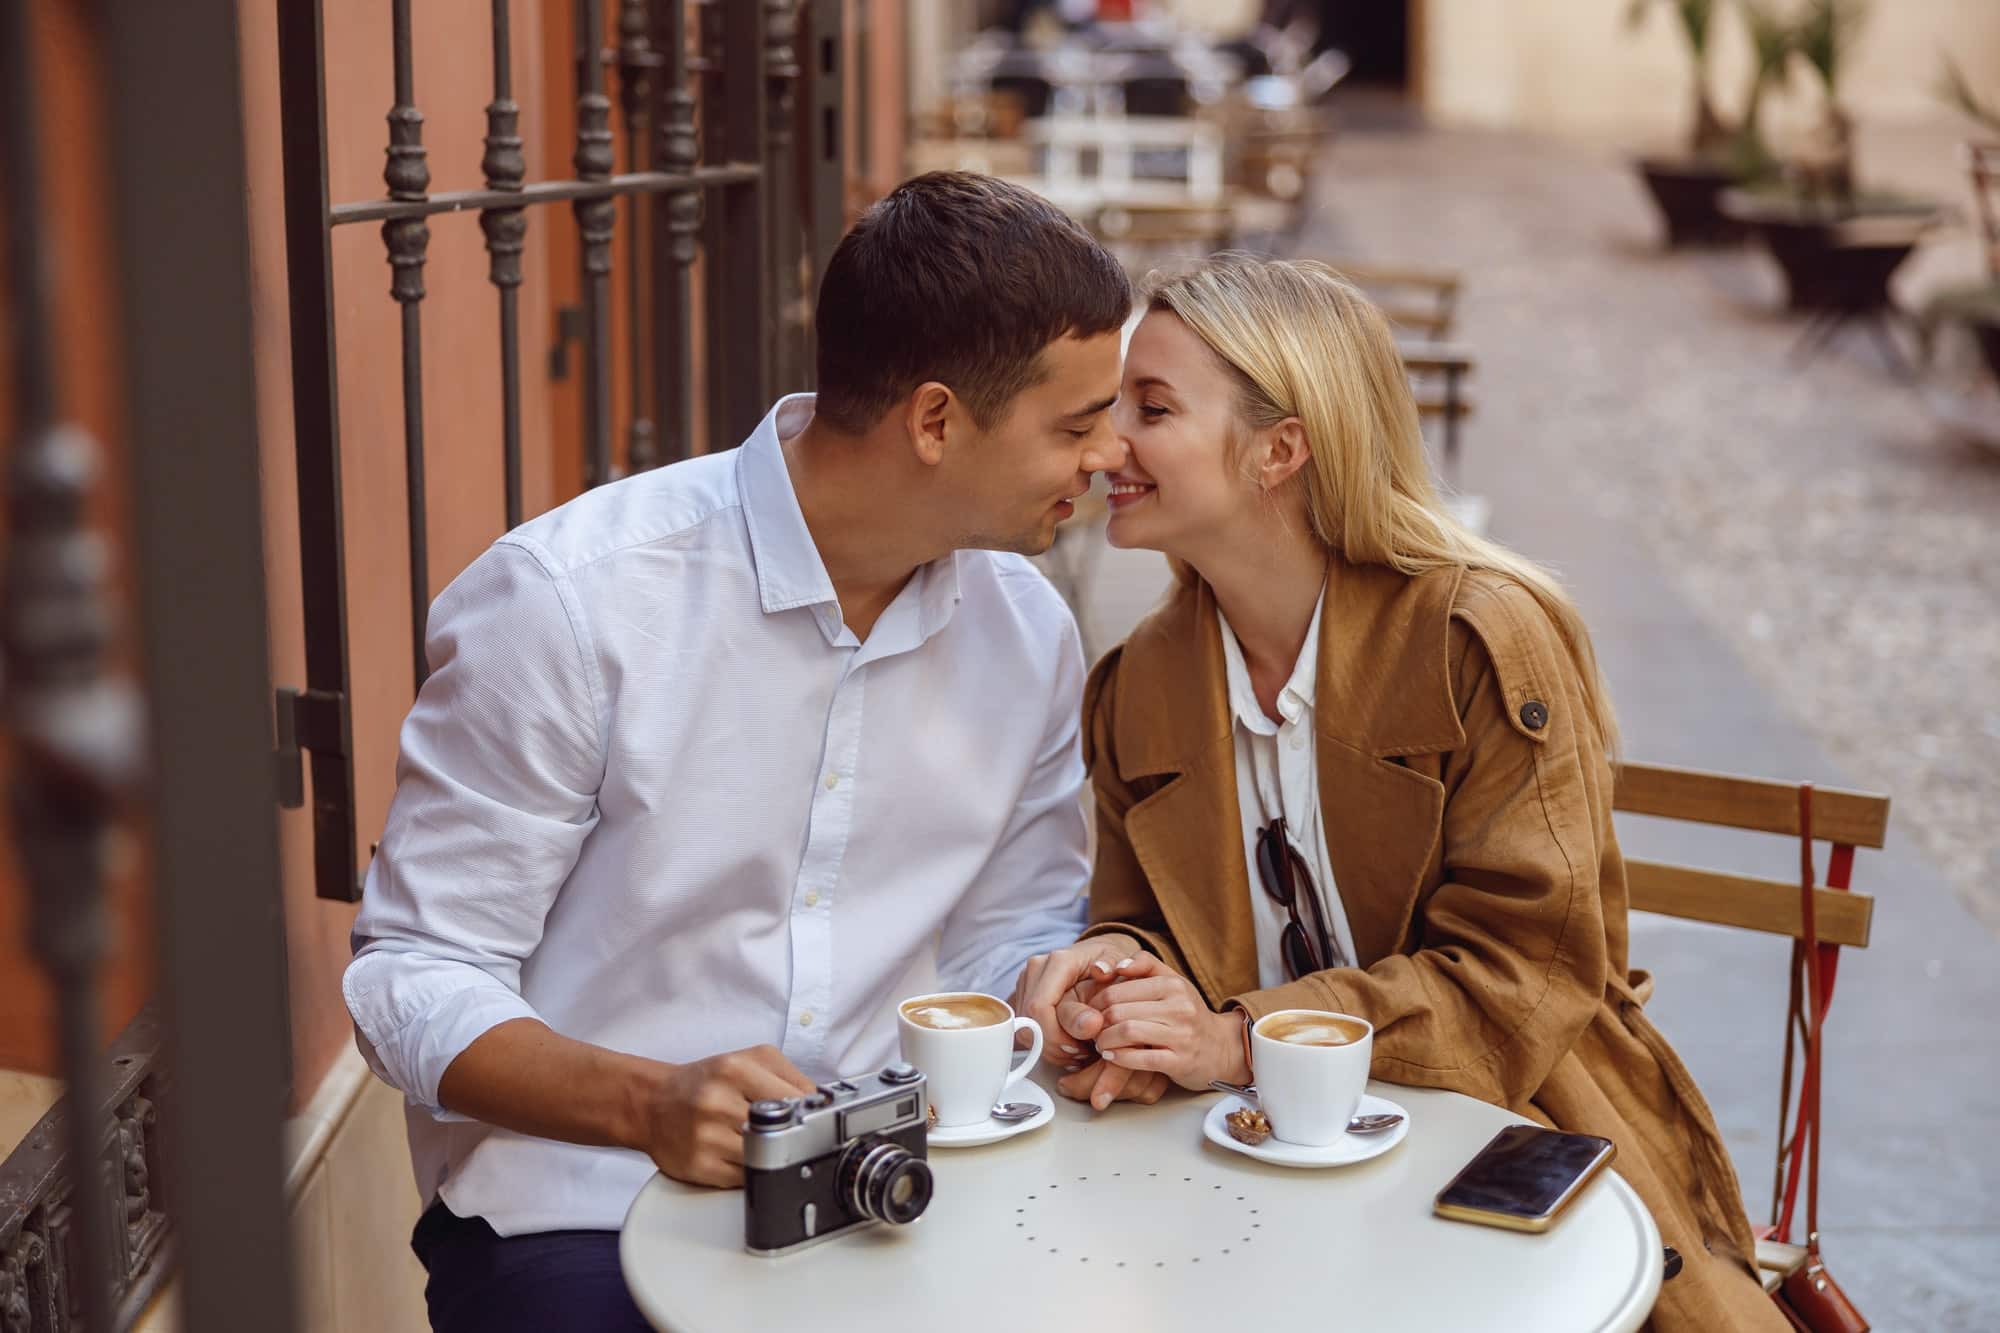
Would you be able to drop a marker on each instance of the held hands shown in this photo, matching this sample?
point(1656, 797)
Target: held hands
point(1148, 1020)
point(1055, 990)
point(692, 1115)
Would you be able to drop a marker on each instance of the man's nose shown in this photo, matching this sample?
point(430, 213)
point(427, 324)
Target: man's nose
point(1105, 454)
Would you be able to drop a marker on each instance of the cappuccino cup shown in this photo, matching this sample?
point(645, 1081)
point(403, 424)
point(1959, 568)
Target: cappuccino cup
point(964, 1044)
point(1311, 1068)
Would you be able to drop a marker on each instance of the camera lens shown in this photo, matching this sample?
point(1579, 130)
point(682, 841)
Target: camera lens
point(881, 1180)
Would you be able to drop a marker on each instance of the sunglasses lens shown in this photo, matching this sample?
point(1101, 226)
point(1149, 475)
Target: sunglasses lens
point(1274, 866)
point(1299, 959)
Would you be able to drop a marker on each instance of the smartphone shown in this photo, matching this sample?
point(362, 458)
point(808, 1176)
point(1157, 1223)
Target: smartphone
point(1524, 1178)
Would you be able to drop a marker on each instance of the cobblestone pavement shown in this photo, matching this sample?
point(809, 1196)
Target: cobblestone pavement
point(1816, 515)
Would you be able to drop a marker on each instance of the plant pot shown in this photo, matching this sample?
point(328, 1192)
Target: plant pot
point(1833, 260)
point(1687, 191)
point(1988, 333)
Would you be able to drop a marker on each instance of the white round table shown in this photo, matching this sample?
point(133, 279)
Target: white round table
point(1130, 1218)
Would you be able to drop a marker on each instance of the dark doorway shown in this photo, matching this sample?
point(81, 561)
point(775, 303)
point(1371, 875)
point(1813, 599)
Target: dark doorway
point(1376, 36)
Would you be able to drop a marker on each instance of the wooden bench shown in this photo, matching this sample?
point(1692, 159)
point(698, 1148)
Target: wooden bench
point(1437, 375)
point(1843, 819)
point(1419, 301)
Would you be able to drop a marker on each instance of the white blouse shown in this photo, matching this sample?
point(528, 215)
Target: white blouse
point(1276, 775)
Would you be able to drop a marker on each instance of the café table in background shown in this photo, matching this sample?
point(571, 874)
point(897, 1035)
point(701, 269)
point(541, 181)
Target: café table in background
point(1129, 1218)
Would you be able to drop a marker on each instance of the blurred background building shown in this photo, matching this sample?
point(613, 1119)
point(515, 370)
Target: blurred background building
point(317, 389)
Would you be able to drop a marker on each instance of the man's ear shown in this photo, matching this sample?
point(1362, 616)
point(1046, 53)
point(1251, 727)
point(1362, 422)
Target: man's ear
point(1285, 450)
point(927, 418)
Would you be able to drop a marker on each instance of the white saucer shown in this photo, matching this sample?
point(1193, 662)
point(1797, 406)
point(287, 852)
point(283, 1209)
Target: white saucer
point(1344, 1151)
point(992, 1131)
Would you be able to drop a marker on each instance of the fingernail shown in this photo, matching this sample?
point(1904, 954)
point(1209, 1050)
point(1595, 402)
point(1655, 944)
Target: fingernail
point(1109, 1055)
point(1071, 1069)
point(1100, 1102)
point(1070, 1050)
point(1127, 963)
point(1103, 966)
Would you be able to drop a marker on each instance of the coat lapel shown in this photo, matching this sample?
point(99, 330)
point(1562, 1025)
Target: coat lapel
point(1173, 722)
point(1384, 693)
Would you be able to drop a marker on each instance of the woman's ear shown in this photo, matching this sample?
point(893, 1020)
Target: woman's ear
point(925, 419)
point(1284, 451)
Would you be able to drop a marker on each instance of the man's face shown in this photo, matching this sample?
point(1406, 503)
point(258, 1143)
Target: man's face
point(1013, 483)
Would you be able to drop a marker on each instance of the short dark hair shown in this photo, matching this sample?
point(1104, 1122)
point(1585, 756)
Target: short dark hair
point(962, 279)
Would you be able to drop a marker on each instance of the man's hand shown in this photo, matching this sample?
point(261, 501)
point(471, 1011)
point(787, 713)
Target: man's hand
point(693, 1114)
point(1101, 1084)
point(1048, 992)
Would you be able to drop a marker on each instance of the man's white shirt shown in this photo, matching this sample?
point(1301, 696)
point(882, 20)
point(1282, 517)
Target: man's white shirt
point(657, 795)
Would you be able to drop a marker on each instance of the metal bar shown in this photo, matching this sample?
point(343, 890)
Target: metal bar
point(506, 230)
point(635, 60)
point(408, 175)
point(75, 732)
point(827, 155)
point(675, 223)
point(784, 209)
point(192, 407)
point(595, 219)
point(316, 426)
point(550, 192)
point(739, 309)
point(714, 237)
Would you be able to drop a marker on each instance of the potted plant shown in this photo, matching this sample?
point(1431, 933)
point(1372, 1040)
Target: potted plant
point(1837, 245)
point(1976, 306)
point(1686, 187)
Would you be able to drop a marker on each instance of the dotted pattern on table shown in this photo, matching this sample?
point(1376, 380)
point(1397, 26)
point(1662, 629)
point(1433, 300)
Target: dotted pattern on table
point(1228, 1211)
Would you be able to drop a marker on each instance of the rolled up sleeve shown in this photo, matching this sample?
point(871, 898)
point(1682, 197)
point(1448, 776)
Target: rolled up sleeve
point(496, 788)
point(1029, 898)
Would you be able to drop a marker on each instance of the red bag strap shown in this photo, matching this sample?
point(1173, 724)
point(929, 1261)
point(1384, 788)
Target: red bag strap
point(1820, 997)
point(1813, 969)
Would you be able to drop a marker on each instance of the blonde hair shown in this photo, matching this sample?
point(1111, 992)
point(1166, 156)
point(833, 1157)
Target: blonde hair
point(1304, 342)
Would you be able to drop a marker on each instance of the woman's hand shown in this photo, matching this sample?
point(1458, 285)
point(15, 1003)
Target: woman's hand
point(1053, 988)
point(1151, 1020)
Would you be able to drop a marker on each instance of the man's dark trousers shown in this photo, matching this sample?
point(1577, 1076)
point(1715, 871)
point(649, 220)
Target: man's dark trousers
point(548, 1282)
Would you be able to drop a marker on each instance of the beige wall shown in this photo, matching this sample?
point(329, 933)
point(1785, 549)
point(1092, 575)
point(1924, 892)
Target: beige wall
point(1574, 68)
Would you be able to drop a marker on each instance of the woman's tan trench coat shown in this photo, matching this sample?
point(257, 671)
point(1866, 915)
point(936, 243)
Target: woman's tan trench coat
point(1467, 809)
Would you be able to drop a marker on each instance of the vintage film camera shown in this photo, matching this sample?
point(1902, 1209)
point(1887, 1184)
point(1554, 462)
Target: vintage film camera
point(849, 1154)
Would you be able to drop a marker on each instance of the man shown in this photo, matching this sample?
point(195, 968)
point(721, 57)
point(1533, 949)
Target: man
point(718, 762)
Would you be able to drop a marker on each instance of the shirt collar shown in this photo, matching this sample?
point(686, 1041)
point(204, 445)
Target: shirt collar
point(1295, 698)
point(790, 573)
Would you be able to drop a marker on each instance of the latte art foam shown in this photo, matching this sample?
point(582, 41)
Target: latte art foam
point(951, 1013)
point(1312, 1029)
point(937, 1016)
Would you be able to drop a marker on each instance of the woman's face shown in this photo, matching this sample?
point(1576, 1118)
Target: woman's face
point(1176, 412)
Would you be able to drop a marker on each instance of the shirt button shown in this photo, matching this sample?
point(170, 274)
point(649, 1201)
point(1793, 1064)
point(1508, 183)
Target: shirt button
point(832, 781)
point(806, 1019)
point(812, 897)
point(1298, 741)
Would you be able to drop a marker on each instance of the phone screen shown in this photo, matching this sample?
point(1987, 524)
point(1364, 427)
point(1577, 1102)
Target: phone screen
point(1525, 1172)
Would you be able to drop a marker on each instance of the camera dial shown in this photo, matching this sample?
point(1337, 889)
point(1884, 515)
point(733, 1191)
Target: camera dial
point(770, 1115)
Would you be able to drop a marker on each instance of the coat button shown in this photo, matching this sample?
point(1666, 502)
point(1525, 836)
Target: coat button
point(1534, 715)
point(1673, 1265)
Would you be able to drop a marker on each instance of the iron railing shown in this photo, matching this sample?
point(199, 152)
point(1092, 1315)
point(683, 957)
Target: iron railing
point(82, 1214)
point(712, 170)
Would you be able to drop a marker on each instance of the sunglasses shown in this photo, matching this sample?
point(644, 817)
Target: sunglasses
point(1284, 874)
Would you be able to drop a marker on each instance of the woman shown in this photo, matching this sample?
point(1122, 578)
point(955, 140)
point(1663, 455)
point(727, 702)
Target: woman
point(1359, 761)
